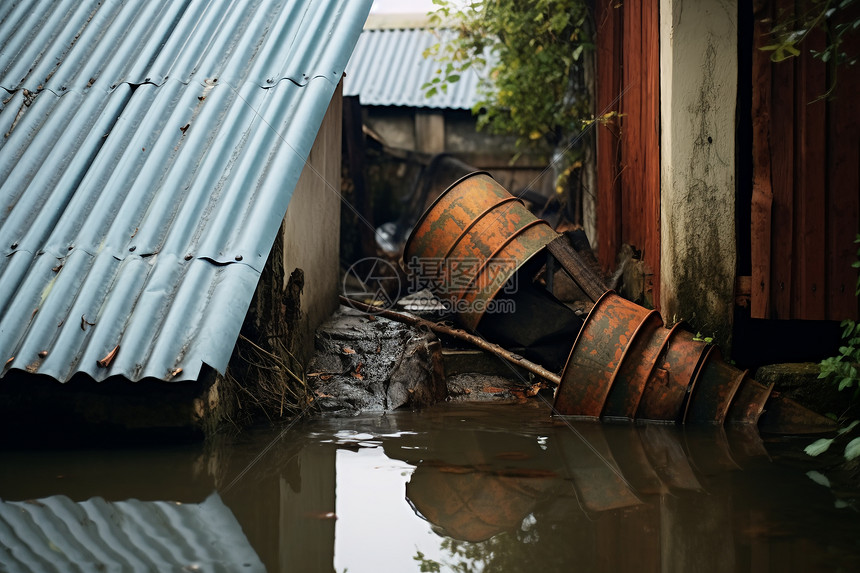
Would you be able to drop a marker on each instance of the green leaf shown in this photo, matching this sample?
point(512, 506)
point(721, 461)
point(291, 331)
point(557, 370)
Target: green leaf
point(818, 478)
point(818, 447)
point(848, 428)
point(852, 450)
point(845, 383)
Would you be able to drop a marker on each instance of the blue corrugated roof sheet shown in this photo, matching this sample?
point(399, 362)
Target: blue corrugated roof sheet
point(388, 68)
point(148, 154)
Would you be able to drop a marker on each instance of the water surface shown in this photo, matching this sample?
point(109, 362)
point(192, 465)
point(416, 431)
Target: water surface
point(460, 487)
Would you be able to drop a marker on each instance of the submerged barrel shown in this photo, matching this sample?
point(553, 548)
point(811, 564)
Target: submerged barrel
point(625, 364)
point(470, 242)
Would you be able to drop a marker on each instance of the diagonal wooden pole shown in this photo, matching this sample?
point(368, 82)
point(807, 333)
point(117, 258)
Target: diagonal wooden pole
point(459, 334)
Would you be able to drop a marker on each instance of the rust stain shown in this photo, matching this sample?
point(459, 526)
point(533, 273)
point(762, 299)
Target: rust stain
point(480, 235)
point(625, 364)
point(105, 362)
point(85, 323)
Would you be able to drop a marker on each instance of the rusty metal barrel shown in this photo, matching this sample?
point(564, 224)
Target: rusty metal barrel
point(626, 365)
point(470, 242)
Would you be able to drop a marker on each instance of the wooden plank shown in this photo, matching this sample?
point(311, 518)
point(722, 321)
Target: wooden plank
point(843, 200)
point(353, 137)
point(810, 276)
point(608, 18)
point(651, 140)
point(782, 123)
point(762, 194)
point(577, 269)
point(631, 110)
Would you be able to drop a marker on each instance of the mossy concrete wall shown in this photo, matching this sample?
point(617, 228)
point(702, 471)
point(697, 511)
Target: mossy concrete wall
point(698, 67)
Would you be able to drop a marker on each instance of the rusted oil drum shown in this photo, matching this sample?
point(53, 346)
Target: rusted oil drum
point(749, 404)
point(674, 372)
point(622, 403)
point(713, 391)
point(626, 365)
point(597, 354)
point(470, 242)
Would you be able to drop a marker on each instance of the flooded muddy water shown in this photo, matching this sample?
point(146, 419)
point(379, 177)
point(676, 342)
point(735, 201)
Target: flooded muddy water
point(459, 487)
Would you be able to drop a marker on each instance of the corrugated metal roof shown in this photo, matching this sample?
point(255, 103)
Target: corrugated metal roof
point(388, 68)
point(150, 150)
point(58, 534)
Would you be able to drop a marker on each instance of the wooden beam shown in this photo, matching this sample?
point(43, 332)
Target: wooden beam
point(809, 300)
point(782, 176)
point(457, 333)
point(762, 194)
point(582, 274)
point(843, 198)
point(608, 23)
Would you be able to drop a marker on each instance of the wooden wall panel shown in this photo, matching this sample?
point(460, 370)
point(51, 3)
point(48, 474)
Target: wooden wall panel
point(631, 119)
point(629, 167)
point(843, 201)
point(608, 21)
point(782, 170)
point(806, 191)
point(651, 143)
point(762, 192)
point(814, 146)
point(810, 185)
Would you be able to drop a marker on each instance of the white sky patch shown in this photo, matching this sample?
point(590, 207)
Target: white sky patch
point(406, 6)
point(402, 6)
point(376, 529)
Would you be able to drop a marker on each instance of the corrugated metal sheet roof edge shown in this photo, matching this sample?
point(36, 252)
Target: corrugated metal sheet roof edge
point(144, 165)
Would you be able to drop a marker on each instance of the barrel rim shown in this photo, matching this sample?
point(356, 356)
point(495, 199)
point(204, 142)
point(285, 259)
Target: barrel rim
point(433, 206)
point(591, 314)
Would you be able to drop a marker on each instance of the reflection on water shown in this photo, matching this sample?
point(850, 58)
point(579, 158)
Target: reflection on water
point(454, 488)
point(58, 534)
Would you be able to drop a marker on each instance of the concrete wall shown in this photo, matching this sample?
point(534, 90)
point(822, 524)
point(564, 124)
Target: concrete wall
point(698, 66)
point(312, 228)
